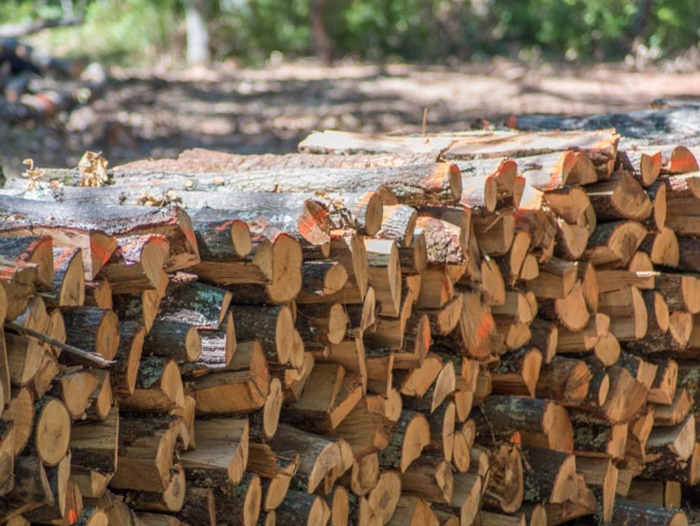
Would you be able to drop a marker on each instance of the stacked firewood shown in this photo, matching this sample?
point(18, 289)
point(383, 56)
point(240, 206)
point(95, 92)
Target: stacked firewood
point(505, 336)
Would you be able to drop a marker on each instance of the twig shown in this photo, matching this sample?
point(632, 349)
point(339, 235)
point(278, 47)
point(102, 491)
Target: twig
point(93, 358)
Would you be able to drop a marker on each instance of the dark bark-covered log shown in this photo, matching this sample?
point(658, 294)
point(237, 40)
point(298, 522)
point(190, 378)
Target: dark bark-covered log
point(93, 329)
point(409, 436)
point(198, 506)
point(196, 303)
point(221, 237)
point(321, 279)
point(273, 326)
point(540, 423)
point(549, 476)
point(173, 339)
point(517, 373)
point(621, 197)
point(145, 455)
point(614, 243)
point(31, 490)
point(158, 387)
point(565, 380)
point(321, 461)
point(630, 512)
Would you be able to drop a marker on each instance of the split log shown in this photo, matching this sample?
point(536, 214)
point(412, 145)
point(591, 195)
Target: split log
point(68, 286)
point(329, 397)
point(384, 273)
point(240, 387)
point(221, 453)
point(414, 511)
point(158, 386)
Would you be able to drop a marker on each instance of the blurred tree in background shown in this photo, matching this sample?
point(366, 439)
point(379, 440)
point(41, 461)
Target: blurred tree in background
point(141, 31)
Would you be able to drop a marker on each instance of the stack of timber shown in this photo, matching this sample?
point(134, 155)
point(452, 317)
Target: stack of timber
point(487, 329)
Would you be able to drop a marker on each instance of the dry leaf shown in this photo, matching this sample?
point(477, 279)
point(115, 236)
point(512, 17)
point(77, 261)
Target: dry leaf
point(93, 170)
point(32, 173)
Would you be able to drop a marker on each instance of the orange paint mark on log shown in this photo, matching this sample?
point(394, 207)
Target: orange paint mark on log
point(305, 226)
point(63, 256)
point(223, 226)
point(437, 177)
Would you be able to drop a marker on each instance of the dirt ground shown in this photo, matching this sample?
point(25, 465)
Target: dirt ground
point(158, 114)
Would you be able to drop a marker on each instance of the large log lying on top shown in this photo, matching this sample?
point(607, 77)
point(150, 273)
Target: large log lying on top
point(94, 235)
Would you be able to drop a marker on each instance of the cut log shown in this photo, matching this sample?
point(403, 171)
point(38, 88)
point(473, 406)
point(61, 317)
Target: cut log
point(571, 311)
point(145, 457)
point(52, 431)
point(115, 220)
point(382, 501)
point(430, 478)
point(221, 237)
point(31, 489)
point(198, 506)
point(93, 329)
point(274, 328)
point(221, 453)
point(466, 496)
point(540, 423)
point(384, 273)
point(614, 243)
point(517, 373)
point(565, 380)
point(136, 263)
point(630, 512)
point(173, 339)
point(602, 474)
point(627, 311)
point(35, 250)
point(556, 279)
point(158, 386)
point(414, 511)
point(410, 435)
point(321, 461)
point(621, 197)
point(329, 397)
point(68, 285)
point(504, 489)
point(549, 476)
point(239, 388)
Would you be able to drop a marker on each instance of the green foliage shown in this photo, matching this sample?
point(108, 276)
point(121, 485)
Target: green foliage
point(419, 30)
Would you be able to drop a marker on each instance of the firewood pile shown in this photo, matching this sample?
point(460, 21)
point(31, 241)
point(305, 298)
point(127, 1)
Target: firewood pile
point(356, 334)
point(35, 86)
